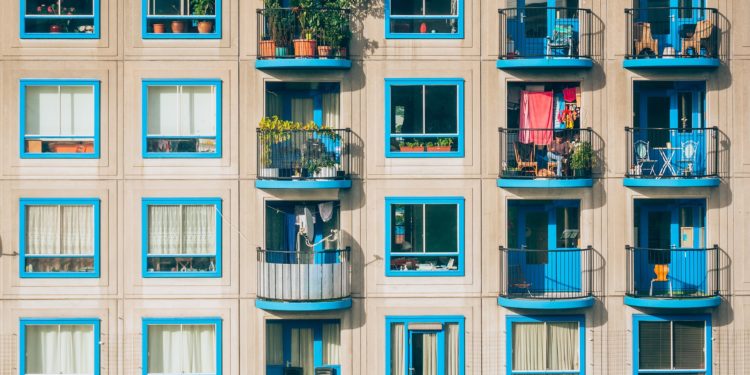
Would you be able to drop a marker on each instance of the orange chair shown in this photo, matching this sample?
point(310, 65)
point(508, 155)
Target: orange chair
point(643, 40)
point(703, 31)
point(662, 272)
point(529, 163)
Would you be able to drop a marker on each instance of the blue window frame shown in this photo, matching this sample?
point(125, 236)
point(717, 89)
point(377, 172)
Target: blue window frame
point(421, 120)
point(676, 344)
point(412, 343)
point(321, 338)
point(59, 118)
point(181, 237)
point(77, 333)
point(424, 19)
point(570, 346)
point(180, 19)
point(59, 238)
point(76, 19)
point(188, 339)
point(424, 236)
point(181, 118)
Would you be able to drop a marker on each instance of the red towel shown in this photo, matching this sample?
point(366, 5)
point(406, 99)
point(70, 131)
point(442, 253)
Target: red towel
point(536, 113)
point(569, 95)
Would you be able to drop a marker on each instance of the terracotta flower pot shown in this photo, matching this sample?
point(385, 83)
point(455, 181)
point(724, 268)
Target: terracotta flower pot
point(438, 148)
point(205, 27)
point(55, 28)
point(411, 149)
point(159, 28)
point(266, 49)
point(342, 53)
point(178, 27)
point(305, 47)
point(325, 52)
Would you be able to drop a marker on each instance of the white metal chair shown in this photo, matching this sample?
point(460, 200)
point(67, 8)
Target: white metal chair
point(643, 158)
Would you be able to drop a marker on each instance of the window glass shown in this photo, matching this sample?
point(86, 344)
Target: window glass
point(69, 19)
point(545, 346)
point(182, 349)
point(425, 347)
point(302, 337)
point(671, 345)
point(424, 17)
point(171, 19)
point(567, 227)
point(60, 349)
point(304, 102)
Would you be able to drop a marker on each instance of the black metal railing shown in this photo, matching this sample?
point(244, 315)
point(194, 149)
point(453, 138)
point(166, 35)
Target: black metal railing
point(545, 32)
point(672, 153)
point(304, 154)
point(547, 153)
point(303, 33)
point(673, 33)
point(298, 276)
point(547, 274)
point(675, 273)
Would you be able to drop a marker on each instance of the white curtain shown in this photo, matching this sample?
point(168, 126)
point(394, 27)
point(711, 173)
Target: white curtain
point(60, 110)
point(331, 343)
point(302, 110)
point(177, 229)
point(175, 348)
point(529, 349)
point(562, 346)
point(397, 348)
point(164, 232)
point(302, 349)
point(274, 344)
point(60, 349)
point(331, 110)
point(451, 349)
point(181, 110)
point(429, 354)
point(57, 230)
point(199, 223)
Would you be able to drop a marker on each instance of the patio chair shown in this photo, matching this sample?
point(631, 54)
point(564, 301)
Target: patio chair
point(687, 157)
point(703, 32)
point(529, 163)
point(643, 42)
point(517, 279)
point(561, 39)
point(643, 159)
point(661, 271)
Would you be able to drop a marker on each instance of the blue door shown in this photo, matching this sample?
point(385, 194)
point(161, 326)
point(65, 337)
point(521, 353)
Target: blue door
point(670, 19)
point(536, 23)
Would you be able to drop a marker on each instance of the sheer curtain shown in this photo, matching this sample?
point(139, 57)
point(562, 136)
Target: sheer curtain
point(397, 348)
point(529, 347)
point(429, 353)
point(164, 232)
point(274, 104)
point(331, 110)
point(60, 110)
point(274, 344)
point(331, 343)
point(451, 349)
point(60, 349)
point(42, 229)
point(199, 223)
point(174, 348)
point(302, 110)
point(58, 230)
point(302, 349)
point(77, 230)
point(562, 346)
point(181, 110)
point(189, 229)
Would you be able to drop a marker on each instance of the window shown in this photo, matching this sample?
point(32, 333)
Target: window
point(425, 236)
point(59, 119)
point(59, 346)
point(672, 345)
point(182, 346)
point(424, 345)
point(181, 19)
point(303, 346)
point(56, 19)
point(304, 102)
point(539, 226)
point(182, 119)
point(545, 343)
point(421, 120)
point(181, 237)
point(59, 237)
point(424, 19)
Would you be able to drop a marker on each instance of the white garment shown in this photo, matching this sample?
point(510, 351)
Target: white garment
point(326, 211)
point(60, 349)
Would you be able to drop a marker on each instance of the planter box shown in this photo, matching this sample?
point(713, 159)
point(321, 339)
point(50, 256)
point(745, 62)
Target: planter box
point(438, 148)
point(326, 172)
point(305, 47)
point(269, 172)
point(34, 146)
point(411, 149)
point(266, 49)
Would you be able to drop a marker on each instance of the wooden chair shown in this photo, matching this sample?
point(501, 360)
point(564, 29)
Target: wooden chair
point(661, 271)
point(703, 31)
point(529, 163)
point(643, 40)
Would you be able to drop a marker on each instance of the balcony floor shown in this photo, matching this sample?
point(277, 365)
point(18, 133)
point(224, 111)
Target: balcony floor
point(303, 63)
point(673, 303)
point(544, 183)
point(671, 182)
point(546, 304)
point(341, 304)
point(545, 63)
point(672, 62)
point(303, 184)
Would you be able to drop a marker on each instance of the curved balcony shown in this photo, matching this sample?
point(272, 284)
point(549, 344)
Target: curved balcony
point(547, 279)
point(539, 37)
point(527, 159)
point(303, 281)
point(674, 38)
point(672, 157)
point(303, 38)
point(304, 159)
point(672, 278)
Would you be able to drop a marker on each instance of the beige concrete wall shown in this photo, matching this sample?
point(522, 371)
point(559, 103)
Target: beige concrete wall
point(121, 177)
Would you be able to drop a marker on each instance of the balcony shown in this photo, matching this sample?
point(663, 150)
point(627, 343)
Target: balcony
point(676, 278)
point(674, 38)
point(547, 279)
point(546, 158)
point(686, 157)
point(303, 38)
point(303, 280)
point(538, 37)
point(310, 158)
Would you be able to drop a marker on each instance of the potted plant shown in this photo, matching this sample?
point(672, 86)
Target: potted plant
point(415, 146)
point(327, 168)
point(204, 8)
point(582, 159)
point(177, 27)
point(281, 25)
point(442, 145)
point(272, 131)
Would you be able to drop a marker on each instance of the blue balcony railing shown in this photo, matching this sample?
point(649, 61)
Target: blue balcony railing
point(673, 273)
point(540, 32)
point(672, 153)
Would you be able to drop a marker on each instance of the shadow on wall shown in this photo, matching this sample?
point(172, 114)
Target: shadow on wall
point(361, 11)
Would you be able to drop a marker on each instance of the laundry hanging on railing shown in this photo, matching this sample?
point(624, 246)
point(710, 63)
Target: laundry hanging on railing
point(536, 113)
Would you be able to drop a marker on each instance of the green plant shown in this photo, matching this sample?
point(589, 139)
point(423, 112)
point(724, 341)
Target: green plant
point(415, 143)
point(583, 157)
point(335, 30)
point(274, 130)
point(203, 7)
point(281, 23)
point(445, 142)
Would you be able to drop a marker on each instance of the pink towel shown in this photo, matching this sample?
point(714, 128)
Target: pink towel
point(536, 113)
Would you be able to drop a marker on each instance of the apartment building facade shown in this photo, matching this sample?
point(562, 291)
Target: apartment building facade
point(374, 187)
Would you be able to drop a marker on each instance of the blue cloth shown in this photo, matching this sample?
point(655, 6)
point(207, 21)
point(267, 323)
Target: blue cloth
point(559, 106)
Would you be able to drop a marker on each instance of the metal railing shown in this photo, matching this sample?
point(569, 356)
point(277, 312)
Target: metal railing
point(303, 276)
point(673, 33)
point(545, 32)
point(547, 153)
point(672, 153)
point(303, 33)
point(675, 273)
point(547, 274)
point(304, 154)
